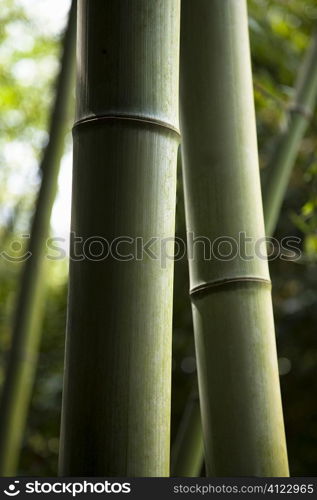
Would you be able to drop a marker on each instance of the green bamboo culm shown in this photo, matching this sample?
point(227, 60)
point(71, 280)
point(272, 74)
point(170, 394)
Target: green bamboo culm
point(238, 378)
point(188, 449)
point(27, 321)
point(274, 185)
point(281, 164)
point(116, 400)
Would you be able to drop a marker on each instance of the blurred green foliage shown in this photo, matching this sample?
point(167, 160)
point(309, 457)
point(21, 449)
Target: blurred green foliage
point(29, 61)
point(280, 32)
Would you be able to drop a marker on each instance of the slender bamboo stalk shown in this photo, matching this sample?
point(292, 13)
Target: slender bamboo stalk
point(116, 403)
point(273, 191)
point(27, 319)
point(188, 449)
point(231, 299)
point(282, 162)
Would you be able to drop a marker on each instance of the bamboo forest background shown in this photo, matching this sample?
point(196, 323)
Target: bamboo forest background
point(280, 32)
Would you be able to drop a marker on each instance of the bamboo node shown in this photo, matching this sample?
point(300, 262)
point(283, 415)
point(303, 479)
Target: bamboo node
point(205, 288)
point(135, 118)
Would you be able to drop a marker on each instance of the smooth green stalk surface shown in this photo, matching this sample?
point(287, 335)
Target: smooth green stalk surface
point(273, 190)
point(231, 298)
point(27, 321)
point(116, 402)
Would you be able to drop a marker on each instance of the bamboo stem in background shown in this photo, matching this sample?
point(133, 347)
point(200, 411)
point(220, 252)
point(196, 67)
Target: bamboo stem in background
point(116, 401)
point(231, 298)
point(273, 191)
point(188, 449)
point(27, 321)
point(279, 170)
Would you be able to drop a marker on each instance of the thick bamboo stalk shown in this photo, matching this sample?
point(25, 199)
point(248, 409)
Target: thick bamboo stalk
point(281, 165)
point(116, 402)
point(273, 191)
point(231, 298)
point(27, 321)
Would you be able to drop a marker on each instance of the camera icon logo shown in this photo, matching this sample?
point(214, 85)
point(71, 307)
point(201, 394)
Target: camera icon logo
point(13, 491)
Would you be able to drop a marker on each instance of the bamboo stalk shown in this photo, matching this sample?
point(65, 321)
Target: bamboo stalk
point(280, 166)
point(27, 321)
point(116, 402)
point(282, 162)
point(231, 299)
point(188, 449)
